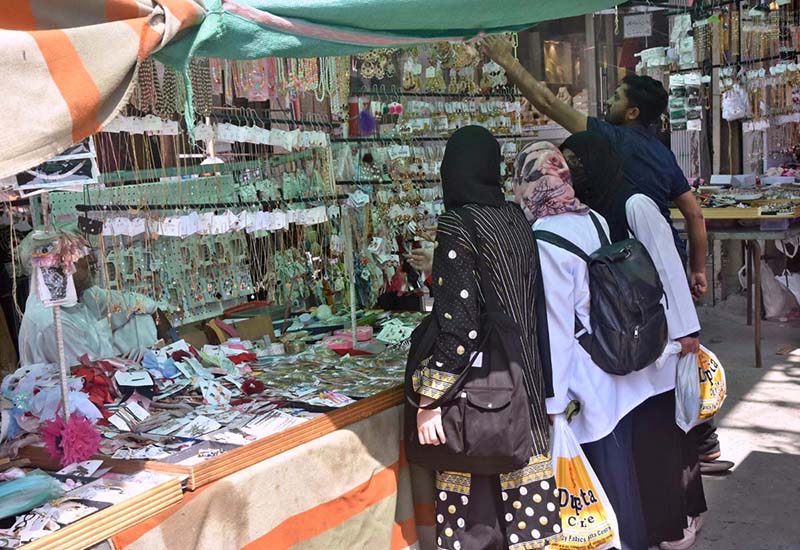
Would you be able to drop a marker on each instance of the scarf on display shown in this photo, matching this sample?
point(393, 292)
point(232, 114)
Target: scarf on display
point(542, 183)
point(599, 181)
point(471, 169)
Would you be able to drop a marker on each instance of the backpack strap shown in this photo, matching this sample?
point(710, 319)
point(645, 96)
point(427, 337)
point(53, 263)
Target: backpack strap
point(561, 242)
point(564, 244)
point(601, 233)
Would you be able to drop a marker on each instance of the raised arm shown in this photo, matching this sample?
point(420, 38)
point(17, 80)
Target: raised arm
point(501, 51)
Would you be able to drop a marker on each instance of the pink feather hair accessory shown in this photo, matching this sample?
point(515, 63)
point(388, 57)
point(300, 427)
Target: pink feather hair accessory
point(75, 440)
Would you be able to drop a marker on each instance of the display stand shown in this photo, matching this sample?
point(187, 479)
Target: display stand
point(62, 362)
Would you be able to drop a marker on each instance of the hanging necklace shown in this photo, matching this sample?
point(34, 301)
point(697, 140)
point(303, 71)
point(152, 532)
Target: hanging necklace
point(200, 72)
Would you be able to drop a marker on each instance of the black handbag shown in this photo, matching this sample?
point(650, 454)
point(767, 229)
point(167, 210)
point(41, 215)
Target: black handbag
point(486, 413)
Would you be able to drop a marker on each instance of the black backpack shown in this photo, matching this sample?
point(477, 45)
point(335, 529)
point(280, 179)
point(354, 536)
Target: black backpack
point(629, 326)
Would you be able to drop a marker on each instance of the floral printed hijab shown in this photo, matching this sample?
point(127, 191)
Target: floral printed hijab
point(542, 184)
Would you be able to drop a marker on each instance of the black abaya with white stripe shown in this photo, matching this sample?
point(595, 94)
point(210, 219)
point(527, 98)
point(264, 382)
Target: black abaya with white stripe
point(523, 503)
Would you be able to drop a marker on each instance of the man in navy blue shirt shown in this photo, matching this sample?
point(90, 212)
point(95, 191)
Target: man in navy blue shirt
point(648, 165)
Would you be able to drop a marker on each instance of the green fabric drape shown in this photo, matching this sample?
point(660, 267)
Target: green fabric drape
point(224, 34)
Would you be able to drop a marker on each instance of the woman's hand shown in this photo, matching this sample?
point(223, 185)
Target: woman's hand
point(429, 424)
point(689, 344)
point(421, 259)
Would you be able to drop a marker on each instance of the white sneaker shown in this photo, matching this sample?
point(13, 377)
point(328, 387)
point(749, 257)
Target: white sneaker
point(688, 540)
point(696, 523)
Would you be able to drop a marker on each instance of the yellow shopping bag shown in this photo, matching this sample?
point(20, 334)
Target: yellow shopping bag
point(713, 385)
point(588, 521)
point(700, 388)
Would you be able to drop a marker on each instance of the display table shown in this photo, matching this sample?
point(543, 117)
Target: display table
point(294, 434)
point(751, 237)
point(212, 469)
point(348, 489)
point(734, 213)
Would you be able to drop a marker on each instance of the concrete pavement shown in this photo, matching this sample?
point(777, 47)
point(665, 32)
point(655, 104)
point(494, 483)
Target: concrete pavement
point(757, 506)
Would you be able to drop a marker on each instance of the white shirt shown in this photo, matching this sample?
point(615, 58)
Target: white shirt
point(605, 398)
point(86, 328)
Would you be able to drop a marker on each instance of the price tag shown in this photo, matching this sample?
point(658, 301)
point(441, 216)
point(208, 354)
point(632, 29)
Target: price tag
point(170, 128)
point(152, 123)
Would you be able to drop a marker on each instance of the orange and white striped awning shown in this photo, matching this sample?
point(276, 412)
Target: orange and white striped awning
point(67, 67)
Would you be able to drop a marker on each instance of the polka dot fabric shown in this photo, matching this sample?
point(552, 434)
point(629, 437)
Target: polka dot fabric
point(532, 524)
point(524, 502)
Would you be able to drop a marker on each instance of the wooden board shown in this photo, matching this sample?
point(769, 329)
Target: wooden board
point(247, 455)
point(41, 459)
point(733, 213)
point(106, 523)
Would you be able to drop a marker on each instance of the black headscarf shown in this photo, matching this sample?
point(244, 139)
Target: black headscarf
point(601, 184)
point(471, 169)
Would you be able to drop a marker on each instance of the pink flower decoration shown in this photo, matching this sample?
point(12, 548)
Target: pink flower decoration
point(73, 441)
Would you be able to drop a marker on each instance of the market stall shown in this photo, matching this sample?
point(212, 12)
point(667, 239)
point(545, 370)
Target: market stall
point(258, 208)
point(750, 215)
point(264, 205)
point(350, 488)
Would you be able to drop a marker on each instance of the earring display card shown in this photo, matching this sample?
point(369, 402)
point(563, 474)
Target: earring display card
point(55, 286)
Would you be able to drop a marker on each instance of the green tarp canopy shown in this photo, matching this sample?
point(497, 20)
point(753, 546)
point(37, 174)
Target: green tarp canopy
point(250, 29)
point(66, 72)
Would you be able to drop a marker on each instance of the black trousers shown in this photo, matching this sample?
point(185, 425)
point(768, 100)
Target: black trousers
point(667, 468)
point(706, 436)
point(613, 461)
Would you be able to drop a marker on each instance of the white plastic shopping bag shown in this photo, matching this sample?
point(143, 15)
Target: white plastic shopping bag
point(791, 281)
point(777, 296)
point(588, 521)
point(700, 388)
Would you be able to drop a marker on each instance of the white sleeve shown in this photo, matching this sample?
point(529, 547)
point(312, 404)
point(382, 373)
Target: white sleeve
point(561, 273)
point(130, 304)
point(32, 345)
point(653, 231)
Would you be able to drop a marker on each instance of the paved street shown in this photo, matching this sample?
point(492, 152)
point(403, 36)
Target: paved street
point(758, 505)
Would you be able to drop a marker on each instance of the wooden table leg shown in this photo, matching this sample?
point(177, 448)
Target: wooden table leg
point(748, 262)
point(756, 246)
